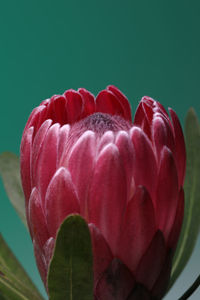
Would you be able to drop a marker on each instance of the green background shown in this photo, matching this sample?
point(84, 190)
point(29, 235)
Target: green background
point(143, 47)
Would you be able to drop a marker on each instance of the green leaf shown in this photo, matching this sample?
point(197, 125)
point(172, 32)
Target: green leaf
point(10, 173)
point(14, 282)
point(70, 273)
point(191, 223)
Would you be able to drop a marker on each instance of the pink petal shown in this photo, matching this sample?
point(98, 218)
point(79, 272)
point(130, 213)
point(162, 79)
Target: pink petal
point(123, 101)
point(108, 195)
point(107, 102)
point(60, 200)
point(59, 110)
point(48, 250)
point(47, 160)
point(116, 283)
point(107, 138)
point(152, 262)
point(126, 151)
point(180, 147)
point(80, 165)
point(63, 142)
point(88, 102)
point(167, 192)
point(37, 219)
point(25, 153)
point(33, 119)
point(74, 105)
point(137, 229)
point(176, 228)
point(102, 255)
point(145, 167)
point(162, 135)
point(36, 148)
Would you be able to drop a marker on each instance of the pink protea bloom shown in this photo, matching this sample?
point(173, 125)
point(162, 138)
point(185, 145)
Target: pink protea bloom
point(85, 156)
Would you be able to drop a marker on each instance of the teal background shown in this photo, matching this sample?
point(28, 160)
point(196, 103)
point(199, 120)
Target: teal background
point(143, 47)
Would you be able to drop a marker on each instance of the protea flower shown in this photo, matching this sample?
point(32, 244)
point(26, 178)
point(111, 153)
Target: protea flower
point(81, 155)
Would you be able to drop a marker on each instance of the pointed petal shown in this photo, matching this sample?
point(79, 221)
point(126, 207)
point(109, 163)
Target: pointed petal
point(74, 105)
point(167, 192)
point(37, 219)
point(116, 283)
point(63, 142)
point(107, 138)
point(25, 154)
point(34, 118)
point(47, 160)
point(138, 229)
point(102, 255)
point(88, 102)
point(108, 194)
point(162, 135)
point(180, 147)
point(176, 228)
point(107, 102)
point(36, 148)
point(48, 250)
point(145, 167)
point(60, 200)
point(123, 101)
point(80, 165)
point(125, 146)
point(152, 262)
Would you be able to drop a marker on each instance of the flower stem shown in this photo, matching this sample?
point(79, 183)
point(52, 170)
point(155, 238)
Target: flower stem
point(191, 289)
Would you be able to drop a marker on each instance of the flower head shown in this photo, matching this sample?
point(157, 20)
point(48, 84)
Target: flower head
point(84, 155)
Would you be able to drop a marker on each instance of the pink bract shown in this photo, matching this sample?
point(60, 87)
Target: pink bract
point(84, 155)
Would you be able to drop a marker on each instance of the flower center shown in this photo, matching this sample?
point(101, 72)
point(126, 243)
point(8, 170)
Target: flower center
point(102, 122)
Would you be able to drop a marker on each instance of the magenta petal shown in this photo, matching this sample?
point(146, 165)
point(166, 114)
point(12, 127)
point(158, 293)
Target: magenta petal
point(125, 146)
point(107, 138)
point(108, 195)
point(48, 250)
point(152, 261)
point(60, 110)
point(60, 200)
point(80, 165)
point(37, 219)
point(47, 160)
point(36, 148)
point(145, 166)
point(25, 158)
point(102, 255)
point(63, 142)
point(180, 147)
point(116, 283)
point(74, 105)
point(143, 118)
point(35, 117)
point(107, 102)
point(176, 228)
point(167, 192)
point(88, 102)
point(162, 135)
point(123, 101)
point(137, 229)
